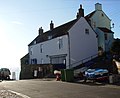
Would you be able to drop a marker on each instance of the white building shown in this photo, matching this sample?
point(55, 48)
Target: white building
point(72, 43)
point(102, 25)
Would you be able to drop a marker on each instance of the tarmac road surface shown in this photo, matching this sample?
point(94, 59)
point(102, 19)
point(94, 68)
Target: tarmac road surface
point(39, 88)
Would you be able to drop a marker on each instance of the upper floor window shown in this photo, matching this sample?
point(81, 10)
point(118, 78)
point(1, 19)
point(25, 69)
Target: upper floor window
point(94, 24)
point(102, 15)
point(41, 48)
point(87, 31)
point(60, 43)
point(42, 61)
point(106, 37)
point(31, 51)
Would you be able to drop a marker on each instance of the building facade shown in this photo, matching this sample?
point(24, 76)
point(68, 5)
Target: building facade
point(66, 44)
point(101, 23)
point(74, 42)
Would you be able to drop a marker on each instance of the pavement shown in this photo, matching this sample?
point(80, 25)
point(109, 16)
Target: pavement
point(49, 88)
point(9, 94)
point(5, 93)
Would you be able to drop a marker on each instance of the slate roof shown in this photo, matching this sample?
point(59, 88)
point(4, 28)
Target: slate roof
point(101, 28)
point(63, 30)
point(56, 32)
point(89, 16)
point(105, 30)
point(25, 56)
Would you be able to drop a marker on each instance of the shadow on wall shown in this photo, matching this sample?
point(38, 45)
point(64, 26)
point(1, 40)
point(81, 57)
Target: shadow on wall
point(35, 71)
point(39, 70)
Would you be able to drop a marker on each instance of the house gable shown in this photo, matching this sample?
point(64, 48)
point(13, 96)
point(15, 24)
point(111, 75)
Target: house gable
point(83, 41)
point(98, 18)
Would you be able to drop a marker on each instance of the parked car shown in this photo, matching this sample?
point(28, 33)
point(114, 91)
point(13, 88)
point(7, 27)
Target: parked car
point(5, 74)
point(96, 74)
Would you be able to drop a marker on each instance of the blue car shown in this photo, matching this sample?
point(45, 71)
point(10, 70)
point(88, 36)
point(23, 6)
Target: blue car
point(96, 74)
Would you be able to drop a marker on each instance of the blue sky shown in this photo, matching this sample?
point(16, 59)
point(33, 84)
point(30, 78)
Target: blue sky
point(21, 19)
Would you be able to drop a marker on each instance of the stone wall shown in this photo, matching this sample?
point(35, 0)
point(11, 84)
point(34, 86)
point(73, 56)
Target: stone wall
point(35, 71)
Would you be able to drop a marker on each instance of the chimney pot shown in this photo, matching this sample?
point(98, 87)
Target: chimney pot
point(80, 13)
point(51, 25)
point(77, 16)
point(81, 6)
point(98, 6)
point(40, 31)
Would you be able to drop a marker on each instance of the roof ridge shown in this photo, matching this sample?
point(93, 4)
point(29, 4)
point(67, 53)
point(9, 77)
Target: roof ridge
point(55, 32)
point(62, 25)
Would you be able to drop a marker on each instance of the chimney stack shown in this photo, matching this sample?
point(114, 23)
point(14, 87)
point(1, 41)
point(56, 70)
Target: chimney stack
point(80, 13)
point(51, 25)
point(40, 31)
point(77, 16)
point(98, 6)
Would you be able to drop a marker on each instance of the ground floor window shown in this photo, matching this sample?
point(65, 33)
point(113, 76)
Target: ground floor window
point(58, 59)
point(34, 61)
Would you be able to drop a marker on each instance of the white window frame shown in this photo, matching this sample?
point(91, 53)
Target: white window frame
point(41, 48)
point(60, 43)
point(42, 61)
point(31, 50)
point(87, 31)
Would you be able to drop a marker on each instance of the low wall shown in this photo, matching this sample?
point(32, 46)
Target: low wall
point(35, 71)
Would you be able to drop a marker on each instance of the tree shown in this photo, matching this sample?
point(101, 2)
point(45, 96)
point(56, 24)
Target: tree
point(115, 49)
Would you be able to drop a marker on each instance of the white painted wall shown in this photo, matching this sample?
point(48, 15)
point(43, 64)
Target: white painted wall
point(99, 20)
point(105, 44)
point(101, 38)
point(50, 48)
point(82, 45)
point(110, 40)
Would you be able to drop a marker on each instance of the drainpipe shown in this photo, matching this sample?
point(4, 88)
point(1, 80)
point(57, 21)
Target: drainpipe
point(69, 50)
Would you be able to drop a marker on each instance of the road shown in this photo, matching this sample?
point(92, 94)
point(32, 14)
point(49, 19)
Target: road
point(57, 89)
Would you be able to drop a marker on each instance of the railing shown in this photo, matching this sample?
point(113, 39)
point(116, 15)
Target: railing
point(83, 60)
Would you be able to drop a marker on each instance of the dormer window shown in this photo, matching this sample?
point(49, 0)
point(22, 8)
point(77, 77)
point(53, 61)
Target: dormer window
point(50, 37)
point(34, 42)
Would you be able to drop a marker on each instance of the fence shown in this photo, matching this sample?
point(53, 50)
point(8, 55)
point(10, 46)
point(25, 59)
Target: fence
point(83, 60)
